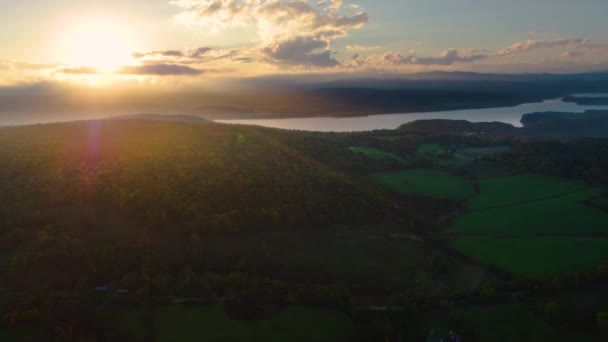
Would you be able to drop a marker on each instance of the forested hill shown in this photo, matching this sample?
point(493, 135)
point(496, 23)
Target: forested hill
point(108, 184)
point(108, 217)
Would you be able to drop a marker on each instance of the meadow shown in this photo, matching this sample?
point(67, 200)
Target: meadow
point(176, 323)
point(505, 322)
point(212, 323)
point(430, 149)
point(429, 182)
point(537, 257)
point(476, 152)
point(496, 192)
point(564, 215)
point(534, 225)
point(377, 154)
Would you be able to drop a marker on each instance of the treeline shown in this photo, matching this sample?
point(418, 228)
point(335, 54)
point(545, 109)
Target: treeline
point(583, 159)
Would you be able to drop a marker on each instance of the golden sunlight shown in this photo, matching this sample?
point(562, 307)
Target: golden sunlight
point(97, 43)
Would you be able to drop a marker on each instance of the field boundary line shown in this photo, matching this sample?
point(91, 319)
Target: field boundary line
point(536, 200)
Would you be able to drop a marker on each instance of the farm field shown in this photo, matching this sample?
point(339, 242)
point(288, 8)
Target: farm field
point(505, 322)
point(534, 225)
point(434, 183)
point(377, 154)
point(517, 189)
point(482, 170)
point(178, 323)
point(455, 162)
point(601, 203)
point(430, 149)
point(537, 257)
point(21, 334)
point(130, 323)
point(475, 152)
point(561, 215)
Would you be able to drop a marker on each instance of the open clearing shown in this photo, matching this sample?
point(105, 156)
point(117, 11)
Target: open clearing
point(561, 215)
point(430, 149)
point(537, 257)
point(506, 322)
point(455, 162)
point(434, 183)
point(534, 225)
point(516, 189)
point(477, 152)
point(178, 323)
point(376, 154)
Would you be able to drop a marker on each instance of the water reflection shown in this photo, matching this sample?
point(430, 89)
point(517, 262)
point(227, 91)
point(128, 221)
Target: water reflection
point(511, 115)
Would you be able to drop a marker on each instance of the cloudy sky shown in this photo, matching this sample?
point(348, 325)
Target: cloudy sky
point(102, 42)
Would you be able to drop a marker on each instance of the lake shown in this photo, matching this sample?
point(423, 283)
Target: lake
point(510, 115)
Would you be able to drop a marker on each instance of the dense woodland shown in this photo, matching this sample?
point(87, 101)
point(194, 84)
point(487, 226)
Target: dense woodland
point(165, 210)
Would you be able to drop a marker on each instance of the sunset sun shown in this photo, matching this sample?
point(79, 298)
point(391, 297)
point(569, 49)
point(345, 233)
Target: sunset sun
point(96, 43)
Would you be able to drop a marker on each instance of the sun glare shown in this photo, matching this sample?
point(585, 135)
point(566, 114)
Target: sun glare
point(97, 43)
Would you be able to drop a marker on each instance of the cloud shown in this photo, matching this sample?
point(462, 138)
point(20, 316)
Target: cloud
point(448, 57)
point(300, 51)
point(187, 53)
point(79, 71)
point(161, 70)
point(363, 47)
point(307, 28)
point(25, 65)
point(528, 45)
point(337, 4)
point(573, 54)
point(599, 48)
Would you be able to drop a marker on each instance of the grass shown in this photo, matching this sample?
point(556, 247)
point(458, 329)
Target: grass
point(178, 323)
point(456, 162)
point(130, 322)
point(534, 225)
point(481, 170)
point(376, 154)
point(427, 182)
point(506, 322)
point(560, 215)
point(430, 149)
point(537, 257)
point(22, 334)
point(601, 203)
point(521, 188)
point(476, 152)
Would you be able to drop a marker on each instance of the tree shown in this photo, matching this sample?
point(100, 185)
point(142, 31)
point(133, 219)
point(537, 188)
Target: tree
point(602, 322)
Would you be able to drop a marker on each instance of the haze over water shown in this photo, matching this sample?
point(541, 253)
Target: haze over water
point(510, 115)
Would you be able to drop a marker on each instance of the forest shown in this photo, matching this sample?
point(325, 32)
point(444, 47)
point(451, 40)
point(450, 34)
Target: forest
point(125, 229)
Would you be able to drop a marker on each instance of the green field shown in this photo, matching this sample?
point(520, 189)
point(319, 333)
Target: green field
point(601, 203)
point(537, 257)
point(561, 215)
point(130, 323)
point(427, 182)
point(476, 152)
point(506, 322)
point(482, 170)
point(430, 149)
point(22, 334)
point(534, 225)
point(178, 323)
point(456, 162)
point(376, 154)
point(497, 192)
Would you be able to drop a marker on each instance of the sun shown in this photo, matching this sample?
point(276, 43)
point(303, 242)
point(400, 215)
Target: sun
point(99, 43)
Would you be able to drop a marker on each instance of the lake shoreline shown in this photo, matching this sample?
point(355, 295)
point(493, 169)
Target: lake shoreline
point(510, 115)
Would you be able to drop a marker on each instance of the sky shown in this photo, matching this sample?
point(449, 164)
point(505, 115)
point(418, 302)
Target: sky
point(195, 41)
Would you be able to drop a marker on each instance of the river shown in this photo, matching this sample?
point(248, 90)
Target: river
point(510, 115)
